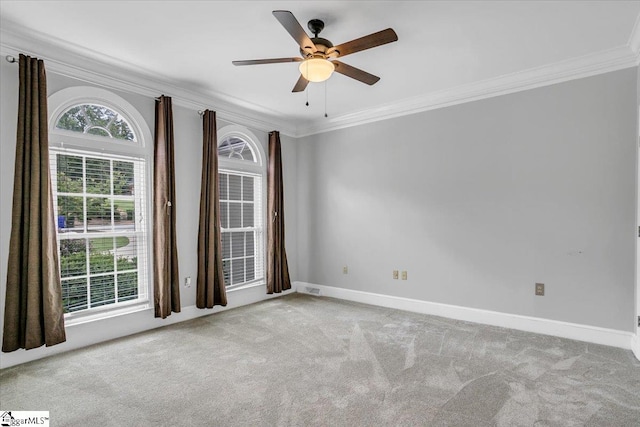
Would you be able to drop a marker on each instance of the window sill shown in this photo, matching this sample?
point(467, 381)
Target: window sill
point(73, 319)
point(248, 286)
point(80, 318)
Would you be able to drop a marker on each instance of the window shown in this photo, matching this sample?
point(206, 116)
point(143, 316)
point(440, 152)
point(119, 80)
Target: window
point(241, 177)
point(99, 179)
point(96, 120)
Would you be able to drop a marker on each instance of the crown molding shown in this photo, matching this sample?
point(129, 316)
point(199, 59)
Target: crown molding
point(576, 68)
point(92, 67)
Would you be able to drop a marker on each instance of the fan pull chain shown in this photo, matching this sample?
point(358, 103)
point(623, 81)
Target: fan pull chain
point(306, 89)
point(325, 98)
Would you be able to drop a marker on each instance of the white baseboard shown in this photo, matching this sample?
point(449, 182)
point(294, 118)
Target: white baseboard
point(635, 345)
point(592, 334)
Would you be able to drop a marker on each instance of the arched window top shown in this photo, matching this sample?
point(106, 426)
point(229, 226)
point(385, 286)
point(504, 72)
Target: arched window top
point(238, 148)
point(98, 120)
point(234, 147)
point(87, 117)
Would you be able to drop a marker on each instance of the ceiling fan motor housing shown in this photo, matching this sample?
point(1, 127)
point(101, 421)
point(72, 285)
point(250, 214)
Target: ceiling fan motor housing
point(322, 44)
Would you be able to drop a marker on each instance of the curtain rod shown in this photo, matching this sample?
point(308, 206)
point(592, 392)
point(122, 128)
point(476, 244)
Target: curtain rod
point(200, 112)
point(13, 60)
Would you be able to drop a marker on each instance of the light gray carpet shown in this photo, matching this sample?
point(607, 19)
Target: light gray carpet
point(303, 360)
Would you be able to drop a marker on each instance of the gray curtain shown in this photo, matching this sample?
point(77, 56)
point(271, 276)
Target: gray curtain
point(277, 268)
point(33, 312)
point(166, 280)
point(210, 289)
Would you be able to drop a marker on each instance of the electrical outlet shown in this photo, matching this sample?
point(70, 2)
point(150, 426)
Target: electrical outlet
point(540, 289)
point(345, 270)
point(395, 274)
point(187, 282)
point(404, 274)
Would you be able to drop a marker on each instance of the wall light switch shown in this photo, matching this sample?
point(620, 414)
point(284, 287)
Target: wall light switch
point(345, 270)
point(395, 274)
point(187, 282)
point(404, 275)
point(540, 289)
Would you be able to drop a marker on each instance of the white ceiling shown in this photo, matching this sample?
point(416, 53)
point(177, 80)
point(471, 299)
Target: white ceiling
point(442, 45)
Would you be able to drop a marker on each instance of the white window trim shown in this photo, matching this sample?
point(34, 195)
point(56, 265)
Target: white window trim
point(258, 167)
point(62, 140)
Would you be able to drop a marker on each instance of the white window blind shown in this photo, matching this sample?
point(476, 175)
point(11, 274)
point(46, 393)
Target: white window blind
point(242, 229)
point(100, 204)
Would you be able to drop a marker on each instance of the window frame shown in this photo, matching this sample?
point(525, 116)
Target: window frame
point(256, 167)
point(62, 141)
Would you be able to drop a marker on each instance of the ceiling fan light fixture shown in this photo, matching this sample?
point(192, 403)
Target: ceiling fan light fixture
point(316, 69)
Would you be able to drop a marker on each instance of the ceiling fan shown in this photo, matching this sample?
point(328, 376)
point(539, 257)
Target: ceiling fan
point(319, 55)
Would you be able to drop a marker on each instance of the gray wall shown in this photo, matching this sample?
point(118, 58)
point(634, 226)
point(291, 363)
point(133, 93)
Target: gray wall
point(188, 162)
point(480, 201)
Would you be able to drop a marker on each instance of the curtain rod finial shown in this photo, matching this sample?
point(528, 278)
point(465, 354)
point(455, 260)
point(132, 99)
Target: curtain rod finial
point(10, 59)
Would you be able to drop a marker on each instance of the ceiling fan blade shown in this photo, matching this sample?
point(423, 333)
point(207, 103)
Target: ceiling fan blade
point(301, 84)
point(366, 42)
point(355, 73)
point(293, 27)
point(266, 61)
